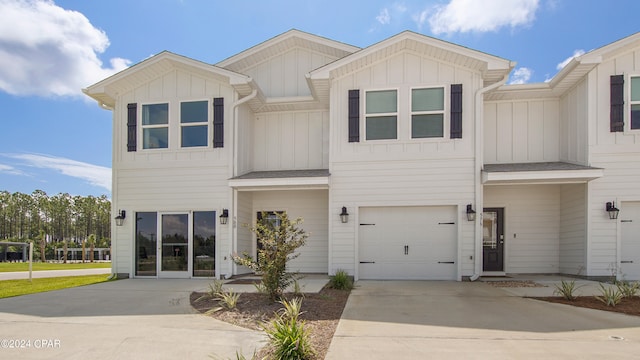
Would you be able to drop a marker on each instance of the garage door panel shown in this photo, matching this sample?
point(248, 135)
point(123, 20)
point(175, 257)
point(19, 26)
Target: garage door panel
point(408, 243)
point(630, 244)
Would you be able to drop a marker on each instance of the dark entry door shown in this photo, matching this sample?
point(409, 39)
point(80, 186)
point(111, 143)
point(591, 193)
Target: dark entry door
point(493, 239)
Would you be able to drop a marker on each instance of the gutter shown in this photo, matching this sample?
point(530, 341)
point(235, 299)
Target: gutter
point(479, 159)
point(233, 231)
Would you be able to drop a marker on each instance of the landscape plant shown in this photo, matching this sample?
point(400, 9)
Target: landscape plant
point(567, 289)
point(341, 281)
point(287, 335)
point(278, 240)
point(628, 289)
point(610, 295)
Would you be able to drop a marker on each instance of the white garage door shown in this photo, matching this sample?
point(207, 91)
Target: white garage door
point(630, 246)
point(408, 243)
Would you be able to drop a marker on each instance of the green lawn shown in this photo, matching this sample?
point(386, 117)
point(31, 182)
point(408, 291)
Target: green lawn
point(9, 288)
point(8, 267)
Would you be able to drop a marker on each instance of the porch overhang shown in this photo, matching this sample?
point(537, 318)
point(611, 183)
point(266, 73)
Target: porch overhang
point(539, 173)
point(317, 179)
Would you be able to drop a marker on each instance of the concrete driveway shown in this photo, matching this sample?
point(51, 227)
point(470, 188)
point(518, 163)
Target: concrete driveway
point(463, 320)
point(125, 319)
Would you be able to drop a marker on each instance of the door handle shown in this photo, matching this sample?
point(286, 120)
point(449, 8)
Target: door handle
point(626, 262)
point(406, 249)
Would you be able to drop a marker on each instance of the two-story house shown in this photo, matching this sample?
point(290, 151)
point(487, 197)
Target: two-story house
point(407, 159)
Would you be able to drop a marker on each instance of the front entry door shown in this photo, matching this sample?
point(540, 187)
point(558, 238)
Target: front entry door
point(173, 246)
point(493, 239)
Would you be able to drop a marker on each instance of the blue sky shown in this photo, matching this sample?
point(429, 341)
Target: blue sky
point(54, 138)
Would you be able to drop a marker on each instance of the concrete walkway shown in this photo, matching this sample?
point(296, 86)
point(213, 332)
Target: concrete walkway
point(124, 319)
point(17, 275)
point(463, 320)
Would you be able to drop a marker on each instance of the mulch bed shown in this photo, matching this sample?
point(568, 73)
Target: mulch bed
point(322, 313)
point(629, 306)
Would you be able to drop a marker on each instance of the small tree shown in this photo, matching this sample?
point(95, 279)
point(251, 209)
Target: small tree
point(42, 241)
point(278, 240)
point(92, 245)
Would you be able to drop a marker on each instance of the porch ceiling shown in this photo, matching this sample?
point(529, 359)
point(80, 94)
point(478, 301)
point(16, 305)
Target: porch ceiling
point(539, 173)
point(281, 180)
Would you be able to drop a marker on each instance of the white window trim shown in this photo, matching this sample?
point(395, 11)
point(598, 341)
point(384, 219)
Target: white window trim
point(209, 123)
point(365, 115)
point(446, 113)
point(142, 127)
point(628, 103)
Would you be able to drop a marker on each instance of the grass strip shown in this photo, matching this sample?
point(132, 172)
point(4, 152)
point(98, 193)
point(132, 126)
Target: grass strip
point(38, 266)
point(10, 288)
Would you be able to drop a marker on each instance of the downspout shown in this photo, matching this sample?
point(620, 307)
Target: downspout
point(479, 160)
point(234, 211)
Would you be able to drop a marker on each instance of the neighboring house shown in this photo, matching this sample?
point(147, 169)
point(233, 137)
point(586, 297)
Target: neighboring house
point(406, 136)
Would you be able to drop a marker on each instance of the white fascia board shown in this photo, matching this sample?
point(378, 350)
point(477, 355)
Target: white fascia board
point(541, 177)
point(321, 182)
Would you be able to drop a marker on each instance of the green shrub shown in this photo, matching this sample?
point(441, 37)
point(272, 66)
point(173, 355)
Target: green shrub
point(567, 289)
point(278, 241)
point(628, 289)
point(287, 335)
point(341, 281)
point(610, 296)
point(215, 289)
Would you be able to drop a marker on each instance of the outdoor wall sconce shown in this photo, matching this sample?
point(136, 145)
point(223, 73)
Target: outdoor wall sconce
point(224, 217)
point(120, 218)
point(471, 214)
point(612, 210)
point(344, 215)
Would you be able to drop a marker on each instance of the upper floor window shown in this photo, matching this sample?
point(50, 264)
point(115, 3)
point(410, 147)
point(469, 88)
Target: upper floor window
point(381, 115)
point(194, 120)
point(635, 103)
point(427, 113)
point(155, 126)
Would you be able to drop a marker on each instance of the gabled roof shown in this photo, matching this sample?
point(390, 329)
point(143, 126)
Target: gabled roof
point(283, 42)
point(107, 90)
point(492, 68)
point(570, 75)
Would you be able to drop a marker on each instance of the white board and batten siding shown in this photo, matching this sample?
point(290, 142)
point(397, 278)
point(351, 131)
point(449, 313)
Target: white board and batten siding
point(290, 140)
point(400, 184)
point(532, 226)
point(173, 179)
point(619, 154)
point(403, 172)
point(521, 131)
point(573, 229)
point(311, 206)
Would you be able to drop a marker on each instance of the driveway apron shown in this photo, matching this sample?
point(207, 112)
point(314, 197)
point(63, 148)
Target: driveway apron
point(125, 319)
point(463, 320)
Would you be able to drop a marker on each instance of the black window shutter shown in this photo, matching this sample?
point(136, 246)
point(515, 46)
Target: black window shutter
point(456, 111)
point(218, 122)
point(617, 103)
point(354, 115)
point(132, 123)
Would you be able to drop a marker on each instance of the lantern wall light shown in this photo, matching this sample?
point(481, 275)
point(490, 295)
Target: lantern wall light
point(344, 215)
point(612, 210)
point(120, 218)
point(224, 217)
point(471, 214)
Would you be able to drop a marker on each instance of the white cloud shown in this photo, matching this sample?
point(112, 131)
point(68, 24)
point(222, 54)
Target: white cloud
point(482, 16)
point(521, 76)
point(46, 50)
point(7, 169)
point(93, 174)
point(387, 14)
point(564, 63)
point(384, 18)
